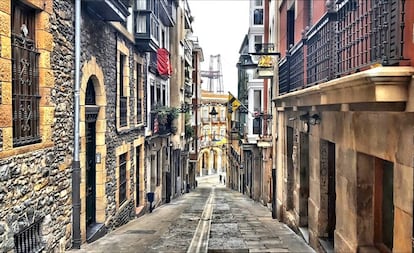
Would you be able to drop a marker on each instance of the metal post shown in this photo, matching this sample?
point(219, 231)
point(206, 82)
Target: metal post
point(274, 195)
point(76, 236)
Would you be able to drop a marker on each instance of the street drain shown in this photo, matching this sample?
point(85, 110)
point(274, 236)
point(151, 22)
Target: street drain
point(141, 231)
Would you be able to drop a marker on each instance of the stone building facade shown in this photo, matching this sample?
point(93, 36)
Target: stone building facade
point(112, 125)
point(344, 123)
point(36, 131)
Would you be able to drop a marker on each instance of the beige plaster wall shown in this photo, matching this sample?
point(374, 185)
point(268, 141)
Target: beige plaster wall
point(358, 137)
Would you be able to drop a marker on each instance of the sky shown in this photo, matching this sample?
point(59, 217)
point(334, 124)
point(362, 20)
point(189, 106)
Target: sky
point(220, 26)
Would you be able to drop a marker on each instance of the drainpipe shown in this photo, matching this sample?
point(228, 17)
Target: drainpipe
point(76, 240)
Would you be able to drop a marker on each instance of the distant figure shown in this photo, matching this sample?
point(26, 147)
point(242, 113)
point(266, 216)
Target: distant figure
point(224, 180)
point(220, 177)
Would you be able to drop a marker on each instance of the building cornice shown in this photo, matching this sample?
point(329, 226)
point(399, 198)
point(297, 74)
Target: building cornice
point(378, 85)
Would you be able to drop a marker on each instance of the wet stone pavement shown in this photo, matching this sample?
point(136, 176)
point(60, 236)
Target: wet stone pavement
point(211, 218)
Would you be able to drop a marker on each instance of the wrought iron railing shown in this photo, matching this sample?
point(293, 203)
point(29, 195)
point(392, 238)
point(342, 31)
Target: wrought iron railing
point(29, 239)
point(296, 66)
point(351, 37)
point(320, 55)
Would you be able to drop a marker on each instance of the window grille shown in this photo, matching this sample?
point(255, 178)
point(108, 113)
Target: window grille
point(139, 94)
point(25, 77)
point(122, 98)
point(122, 178)
point(29, 240)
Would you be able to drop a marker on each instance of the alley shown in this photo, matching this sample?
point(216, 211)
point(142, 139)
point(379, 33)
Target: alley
point(211, 218)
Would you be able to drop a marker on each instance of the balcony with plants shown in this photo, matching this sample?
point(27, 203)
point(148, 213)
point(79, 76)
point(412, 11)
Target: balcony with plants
point(162, 120)
point(353, 36)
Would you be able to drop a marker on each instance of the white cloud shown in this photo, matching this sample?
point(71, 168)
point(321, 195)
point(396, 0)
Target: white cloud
point(220, 26)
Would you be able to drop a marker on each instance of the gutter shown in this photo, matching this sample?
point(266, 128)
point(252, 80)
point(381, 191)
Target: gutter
point(76, 236)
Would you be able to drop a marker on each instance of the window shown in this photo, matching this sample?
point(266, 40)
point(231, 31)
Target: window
point(257, 101)
point(139, 88)
point(141, 4)
point(122, 178)
point(257, 125)
point(290, 27)
point(258, 39)
point(137, 175)
point(122, 98)
point(258, 17)
point(259, 2)
point(140, 22)
point(25, 77)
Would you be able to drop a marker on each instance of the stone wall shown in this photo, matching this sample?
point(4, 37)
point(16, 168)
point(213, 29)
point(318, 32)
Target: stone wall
point(100, 40)
point(35, 185)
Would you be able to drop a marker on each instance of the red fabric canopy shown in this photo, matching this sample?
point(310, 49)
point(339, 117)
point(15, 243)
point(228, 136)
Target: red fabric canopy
point(163, 62)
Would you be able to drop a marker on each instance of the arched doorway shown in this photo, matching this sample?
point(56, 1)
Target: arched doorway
point(91, 114)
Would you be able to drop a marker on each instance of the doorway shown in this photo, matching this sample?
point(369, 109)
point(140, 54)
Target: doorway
point(90, 173)
point(137, 175)
point(91, 114)
point(328, 193)
point(304, 185)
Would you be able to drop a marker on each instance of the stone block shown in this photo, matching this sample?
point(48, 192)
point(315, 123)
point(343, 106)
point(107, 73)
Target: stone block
point(7, 138)
point(46, 98)
point(346, 163)
point(403, 188)
point(5, 69)
point(403, 223)
point(6, 116)
point(6, 93)
point(365, 169)
point(5, 6)
point(44, 40)
point(43, 21)
point(47, 115)
point(44, 59)
point(405, 141)
point(5, 24)
point(5, 49)
point(46, 78)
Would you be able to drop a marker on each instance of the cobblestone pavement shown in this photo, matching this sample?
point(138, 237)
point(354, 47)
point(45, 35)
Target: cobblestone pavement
point(236, 224)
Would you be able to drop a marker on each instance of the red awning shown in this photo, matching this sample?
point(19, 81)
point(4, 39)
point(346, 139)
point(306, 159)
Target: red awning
point(163, 62)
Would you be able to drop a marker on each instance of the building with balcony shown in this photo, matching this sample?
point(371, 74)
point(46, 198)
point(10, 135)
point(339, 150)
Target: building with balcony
point(154, 23)
point(255, 117)
point(192, 125)
point(344, 121)
point(213, 137)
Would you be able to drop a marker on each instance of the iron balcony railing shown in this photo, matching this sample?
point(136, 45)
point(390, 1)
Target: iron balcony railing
point(351, 37)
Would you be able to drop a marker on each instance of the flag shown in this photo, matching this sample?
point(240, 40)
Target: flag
point(233, 103)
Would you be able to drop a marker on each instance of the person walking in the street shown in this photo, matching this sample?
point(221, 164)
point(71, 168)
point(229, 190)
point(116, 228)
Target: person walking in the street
point(220, 177)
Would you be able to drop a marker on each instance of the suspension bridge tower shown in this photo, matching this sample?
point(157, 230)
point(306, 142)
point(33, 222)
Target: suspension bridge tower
point(214, 75)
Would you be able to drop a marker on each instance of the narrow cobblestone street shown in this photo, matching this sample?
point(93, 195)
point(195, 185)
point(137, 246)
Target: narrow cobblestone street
point(212, 218)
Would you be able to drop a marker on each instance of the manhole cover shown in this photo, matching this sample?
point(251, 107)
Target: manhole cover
point(141, 231)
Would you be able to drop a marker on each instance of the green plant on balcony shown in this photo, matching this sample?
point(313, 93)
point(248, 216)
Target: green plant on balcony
point(165, 114)
point(189, 131)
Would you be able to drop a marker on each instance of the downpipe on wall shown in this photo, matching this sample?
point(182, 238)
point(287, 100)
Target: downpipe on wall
point(76, 238)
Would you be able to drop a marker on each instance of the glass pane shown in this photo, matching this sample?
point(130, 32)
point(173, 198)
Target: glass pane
point(141, 23)
point(141, 4)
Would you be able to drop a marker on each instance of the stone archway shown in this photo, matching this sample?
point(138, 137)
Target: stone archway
point(93, 74)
